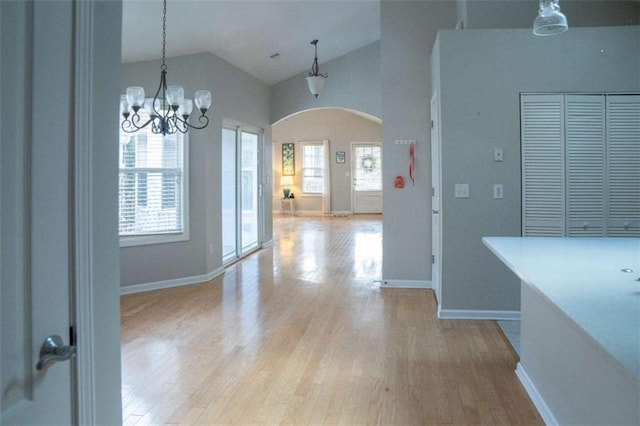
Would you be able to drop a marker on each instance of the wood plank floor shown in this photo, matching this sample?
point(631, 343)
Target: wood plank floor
point(300, 333)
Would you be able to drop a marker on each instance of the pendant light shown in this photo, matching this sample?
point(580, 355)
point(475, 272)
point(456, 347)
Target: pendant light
point(550, 21)
point(169, 110)
point(315, 79)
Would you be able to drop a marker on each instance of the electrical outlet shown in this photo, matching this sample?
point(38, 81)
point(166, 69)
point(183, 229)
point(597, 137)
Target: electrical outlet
point(497, 154)
point(462, 190)
point(498, 191)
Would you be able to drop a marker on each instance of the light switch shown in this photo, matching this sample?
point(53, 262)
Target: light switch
point(462, 190)
point(497, 191)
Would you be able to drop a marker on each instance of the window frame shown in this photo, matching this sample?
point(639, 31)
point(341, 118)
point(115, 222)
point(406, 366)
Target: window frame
point(321, 144)
point(166, 237)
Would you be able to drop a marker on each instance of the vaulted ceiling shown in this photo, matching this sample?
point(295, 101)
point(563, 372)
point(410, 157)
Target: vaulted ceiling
point(247, 33)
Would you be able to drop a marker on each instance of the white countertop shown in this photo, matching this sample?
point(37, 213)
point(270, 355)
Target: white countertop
point(584, 278)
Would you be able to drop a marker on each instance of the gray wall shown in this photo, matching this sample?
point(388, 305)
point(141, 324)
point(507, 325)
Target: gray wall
point(353, 82)
point(408, 31)
point(236, 96)
point(340, 127)
point(481, 74)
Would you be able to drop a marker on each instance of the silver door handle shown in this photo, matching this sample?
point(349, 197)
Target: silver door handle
point(53, 350)
point(435, 212)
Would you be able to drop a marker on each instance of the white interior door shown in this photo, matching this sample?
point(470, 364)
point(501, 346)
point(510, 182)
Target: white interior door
point(436, 245)
point(366, 166)
point(34, 209)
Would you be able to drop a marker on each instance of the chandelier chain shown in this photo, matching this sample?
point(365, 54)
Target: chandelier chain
point(164, 33)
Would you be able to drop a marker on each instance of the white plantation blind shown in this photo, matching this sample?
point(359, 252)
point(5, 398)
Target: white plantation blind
point(585, 165)
point(151, 187)
point(542, 135)
point(623, 130)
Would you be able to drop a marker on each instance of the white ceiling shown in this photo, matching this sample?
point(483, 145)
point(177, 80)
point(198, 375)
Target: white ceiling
point(246, 33)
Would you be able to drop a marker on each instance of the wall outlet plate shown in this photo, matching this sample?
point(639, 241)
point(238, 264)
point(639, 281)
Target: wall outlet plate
point(462, 190)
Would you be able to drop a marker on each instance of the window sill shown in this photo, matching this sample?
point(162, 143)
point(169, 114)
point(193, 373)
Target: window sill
point(145, 240)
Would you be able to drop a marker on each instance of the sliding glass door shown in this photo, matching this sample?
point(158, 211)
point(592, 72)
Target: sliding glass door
point(241, 200)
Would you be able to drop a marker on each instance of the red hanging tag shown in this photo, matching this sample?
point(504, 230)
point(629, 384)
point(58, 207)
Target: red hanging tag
point(399, 182)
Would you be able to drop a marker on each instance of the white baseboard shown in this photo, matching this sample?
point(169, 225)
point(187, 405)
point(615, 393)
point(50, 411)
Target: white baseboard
point(267, 244)
point(177, 282)
point(341, 213)
point(536, 398)
point(468, 314)
point(405, 284)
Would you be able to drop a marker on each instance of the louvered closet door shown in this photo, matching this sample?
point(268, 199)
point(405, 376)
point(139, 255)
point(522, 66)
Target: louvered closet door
point(623, 130)
point(543, 181)
point(585, 165)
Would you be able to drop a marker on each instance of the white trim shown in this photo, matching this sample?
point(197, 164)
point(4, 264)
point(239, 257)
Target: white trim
point(344, 213)
point(176, 282)
point(405, 284)
point(144, 240)
point(471, 314)
point(83, 184)
point(536, 398)
point(267, 244)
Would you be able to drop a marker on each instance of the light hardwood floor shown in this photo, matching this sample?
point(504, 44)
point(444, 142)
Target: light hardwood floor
point(301, 333)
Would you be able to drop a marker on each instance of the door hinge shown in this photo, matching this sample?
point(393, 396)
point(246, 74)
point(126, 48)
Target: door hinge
point(432, 124)
point(433, 259)
point(72, 336)
point(433, 191)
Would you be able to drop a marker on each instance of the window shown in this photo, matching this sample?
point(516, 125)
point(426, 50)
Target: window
point(313, 168)
point(152, 188)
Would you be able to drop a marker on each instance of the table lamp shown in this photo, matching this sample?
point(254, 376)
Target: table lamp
point(286, 182)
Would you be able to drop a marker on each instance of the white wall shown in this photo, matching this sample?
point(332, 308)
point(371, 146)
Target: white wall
point(340, 127)
point(353, 82)
point(236, 96)
point(408, 30)
point(481, 74)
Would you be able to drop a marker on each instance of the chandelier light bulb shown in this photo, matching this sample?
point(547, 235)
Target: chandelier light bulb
point(175, 96)
point(203, 100)
point(186, 107)
point(135, 97)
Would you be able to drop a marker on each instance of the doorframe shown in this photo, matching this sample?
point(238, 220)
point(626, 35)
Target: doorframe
point(239, 127)
point(436, 188)
point(93, 277)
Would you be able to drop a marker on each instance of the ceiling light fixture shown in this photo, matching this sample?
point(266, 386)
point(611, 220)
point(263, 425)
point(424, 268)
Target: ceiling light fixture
point(169, 110)
point(315, 79)
point(550, 21)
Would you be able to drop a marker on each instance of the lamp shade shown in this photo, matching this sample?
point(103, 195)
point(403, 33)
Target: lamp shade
point(286, 180)
point(316, 84)
point(550, 20)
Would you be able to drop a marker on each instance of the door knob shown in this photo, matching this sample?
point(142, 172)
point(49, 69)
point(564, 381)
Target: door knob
point(53, 350)
point(435, 212)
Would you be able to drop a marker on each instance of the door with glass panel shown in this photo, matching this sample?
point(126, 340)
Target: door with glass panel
point(366, 169)
point(241, 199)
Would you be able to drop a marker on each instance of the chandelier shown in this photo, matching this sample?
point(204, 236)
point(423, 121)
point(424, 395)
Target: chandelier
point(315, 79)
point(168, 110)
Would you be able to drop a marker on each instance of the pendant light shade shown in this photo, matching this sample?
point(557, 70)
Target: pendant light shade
point(316, 84)
point(550, 21)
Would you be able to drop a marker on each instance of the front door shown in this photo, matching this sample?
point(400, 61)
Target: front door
point(366, 169)
point(35, 210)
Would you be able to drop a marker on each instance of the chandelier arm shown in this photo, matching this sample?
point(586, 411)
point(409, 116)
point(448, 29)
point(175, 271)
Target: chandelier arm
point(202, 119)
point(133, 123)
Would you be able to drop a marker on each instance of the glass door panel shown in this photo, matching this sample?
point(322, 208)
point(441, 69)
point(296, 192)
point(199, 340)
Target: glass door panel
point(229, 195)
point(249, 178)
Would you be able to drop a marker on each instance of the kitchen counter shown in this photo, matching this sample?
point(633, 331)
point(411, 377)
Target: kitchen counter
point(580, 319)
